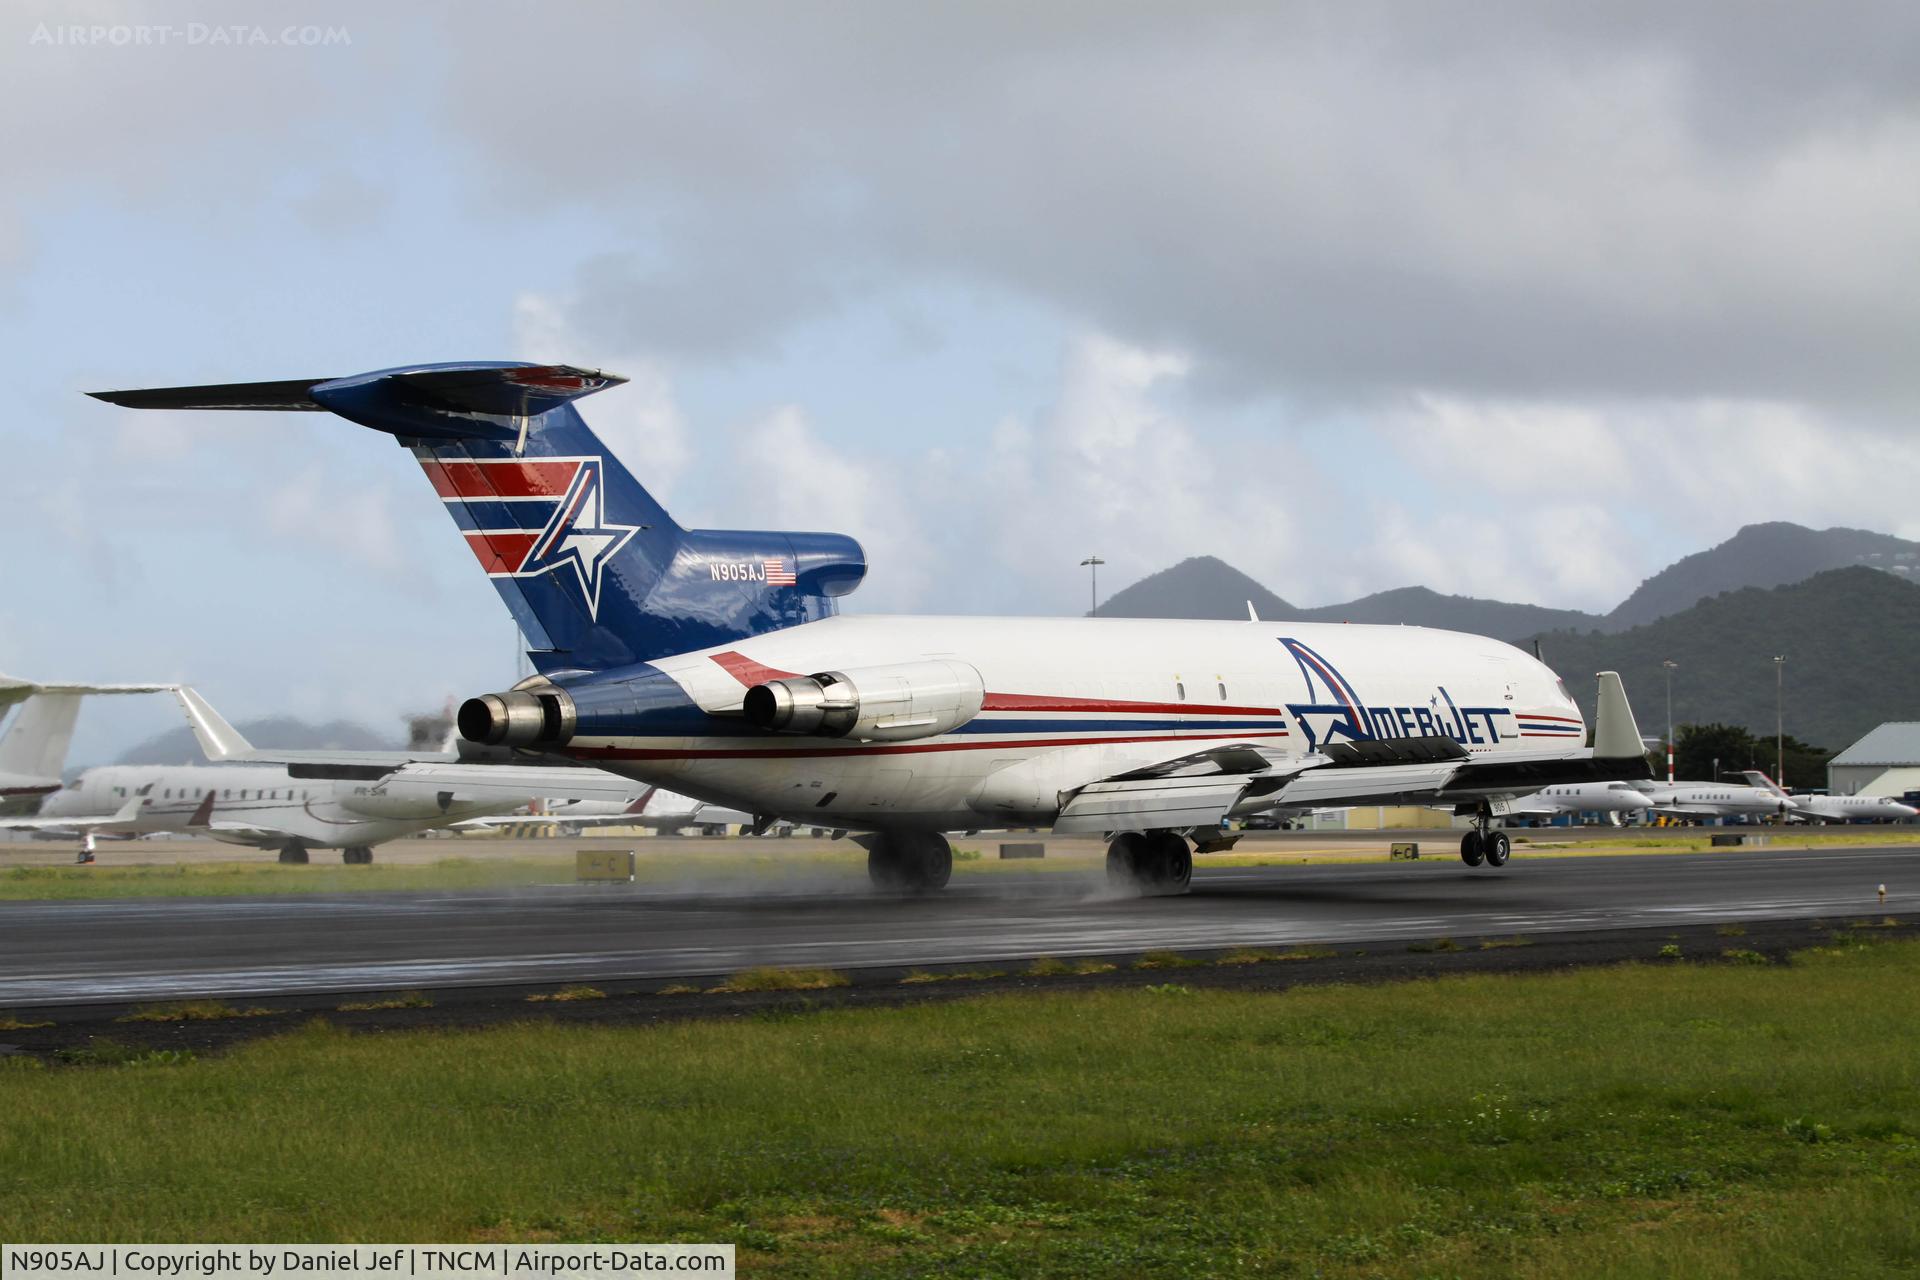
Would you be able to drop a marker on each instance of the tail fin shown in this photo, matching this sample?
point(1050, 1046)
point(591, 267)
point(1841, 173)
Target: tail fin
point(35, 744)
point(594, 570)
point(1756, 778)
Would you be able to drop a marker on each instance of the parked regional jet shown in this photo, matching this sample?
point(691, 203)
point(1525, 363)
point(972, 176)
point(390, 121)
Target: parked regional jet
point(1817, 808)
point(1716, 800)
point(714, 662)
point(33, 750)
point(1614, 799)
point(652, 808)
point(359, 800)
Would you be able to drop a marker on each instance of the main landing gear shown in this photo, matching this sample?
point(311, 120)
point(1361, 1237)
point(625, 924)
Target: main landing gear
point(1150, 862)
point(1484, 844)
point(293, 853)
point(909, 861)
point(358, 855)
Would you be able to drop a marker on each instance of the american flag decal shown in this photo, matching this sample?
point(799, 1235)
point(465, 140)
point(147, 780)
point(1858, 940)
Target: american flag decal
point(778, 575)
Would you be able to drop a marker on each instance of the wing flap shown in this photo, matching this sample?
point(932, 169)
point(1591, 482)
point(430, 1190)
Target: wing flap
point(1148, 803)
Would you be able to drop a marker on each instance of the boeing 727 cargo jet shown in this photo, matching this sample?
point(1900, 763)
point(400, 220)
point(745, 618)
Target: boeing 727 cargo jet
point(714, 662)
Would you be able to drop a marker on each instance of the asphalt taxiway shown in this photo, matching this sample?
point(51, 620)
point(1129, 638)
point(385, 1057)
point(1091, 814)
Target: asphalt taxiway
point(120, 951)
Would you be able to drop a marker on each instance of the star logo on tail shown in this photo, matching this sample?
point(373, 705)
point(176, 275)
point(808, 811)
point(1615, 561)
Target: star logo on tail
point(580, 536)
point(525, 517)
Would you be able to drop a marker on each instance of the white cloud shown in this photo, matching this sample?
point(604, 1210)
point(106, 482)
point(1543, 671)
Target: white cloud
point(356, 518)
point(796, 480)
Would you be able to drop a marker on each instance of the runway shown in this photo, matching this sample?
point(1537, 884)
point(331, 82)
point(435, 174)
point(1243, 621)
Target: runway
point(100, 952)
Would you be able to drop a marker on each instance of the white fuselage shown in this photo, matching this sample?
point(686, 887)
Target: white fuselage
point(1715, 800)
point(260, 805)
point(1074, 700)
point(1853, 808)
point(1583, 797)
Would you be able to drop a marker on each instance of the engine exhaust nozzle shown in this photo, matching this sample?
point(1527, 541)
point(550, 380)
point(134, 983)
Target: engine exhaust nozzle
point(541, 717)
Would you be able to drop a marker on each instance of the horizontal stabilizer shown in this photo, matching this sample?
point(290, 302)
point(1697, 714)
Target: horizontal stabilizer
point(14, 689)
point(291, 394)
point(426, 400)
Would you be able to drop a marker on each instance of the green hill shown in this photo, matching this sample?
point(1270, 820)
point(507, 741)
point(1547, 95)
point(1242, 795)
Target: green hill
point(1849, 636)
point(1200, 587)
point(1759, 555)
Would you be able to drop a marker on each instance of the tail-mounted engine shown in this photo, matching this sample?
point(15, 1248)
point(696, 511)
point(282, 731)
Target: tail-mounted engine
point(534, 713)
point(875, 704)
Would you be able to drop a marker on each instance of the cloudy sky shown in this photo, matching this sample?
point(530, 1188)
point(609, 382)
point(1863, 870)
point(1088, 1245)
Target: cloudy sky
point(1507, 299)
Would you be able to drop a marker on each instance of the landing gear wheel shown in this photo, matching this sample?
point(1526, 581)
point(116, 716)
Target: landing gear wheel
point(910, 862)
point(1498, 848)
point(1126, 858)
point(1170, 861)
point(1152, 862)
point(1473, 849)
point(358, 855)
point(293, 854)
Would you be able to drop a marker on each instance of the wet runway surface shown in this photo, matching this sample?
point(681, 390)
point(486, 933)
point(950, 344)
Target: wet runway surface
point(67, 953)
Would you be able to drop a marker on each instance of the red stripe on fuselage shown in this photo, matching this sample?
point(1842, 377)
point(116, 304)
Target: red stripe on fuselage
point(891, 749)
point(501, 552)
point(505, 478)
point(748, 672)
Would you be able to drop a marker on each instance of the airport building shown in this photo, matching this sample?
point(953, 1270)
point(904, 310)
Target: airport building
point(1884, 763)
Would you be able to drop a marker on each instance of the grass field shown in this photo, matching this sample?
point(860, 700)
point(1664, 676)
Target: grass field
point(1659, 1120)
point(745, 865)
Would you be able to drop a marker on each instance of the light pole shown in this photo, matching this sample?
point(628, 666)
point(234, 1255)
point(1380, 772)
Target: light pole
point(1779, 719)
point(1669, 664)
point(1092, 565)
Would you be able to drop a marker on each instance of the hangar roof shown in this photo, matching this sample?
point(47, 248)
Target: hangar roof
point(1897, 742)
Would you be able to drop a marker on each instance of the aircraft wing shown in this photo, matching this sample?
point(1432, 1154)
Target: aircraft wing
point(507, 781)
point(399, 771)
point(1200, 789)
point(221, 741)
point(561, 820)
point(128, 816)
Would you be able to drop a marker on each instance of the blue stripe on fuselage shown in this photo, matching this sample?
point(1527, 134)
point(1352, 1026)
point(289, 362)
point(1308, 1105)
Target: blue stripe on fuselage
point(1115, 726)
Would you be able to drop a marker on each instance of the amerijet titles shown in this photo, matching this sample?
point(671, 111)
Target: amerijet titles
point(1344, 715)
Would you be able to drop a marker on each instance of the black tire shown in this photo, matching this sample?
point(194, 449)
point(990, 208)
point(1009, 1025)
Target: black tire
point(1170, 862)
point(1472, 850)
point(358, 855)
point(1126, 862)
point(1498, 849)
point(293, 854)
point(910, 862)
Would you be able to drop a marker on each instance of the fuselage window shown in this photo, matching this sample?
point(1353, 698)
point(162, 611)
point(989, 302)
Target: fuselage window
point(1223, 691)
point(1180, 689)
